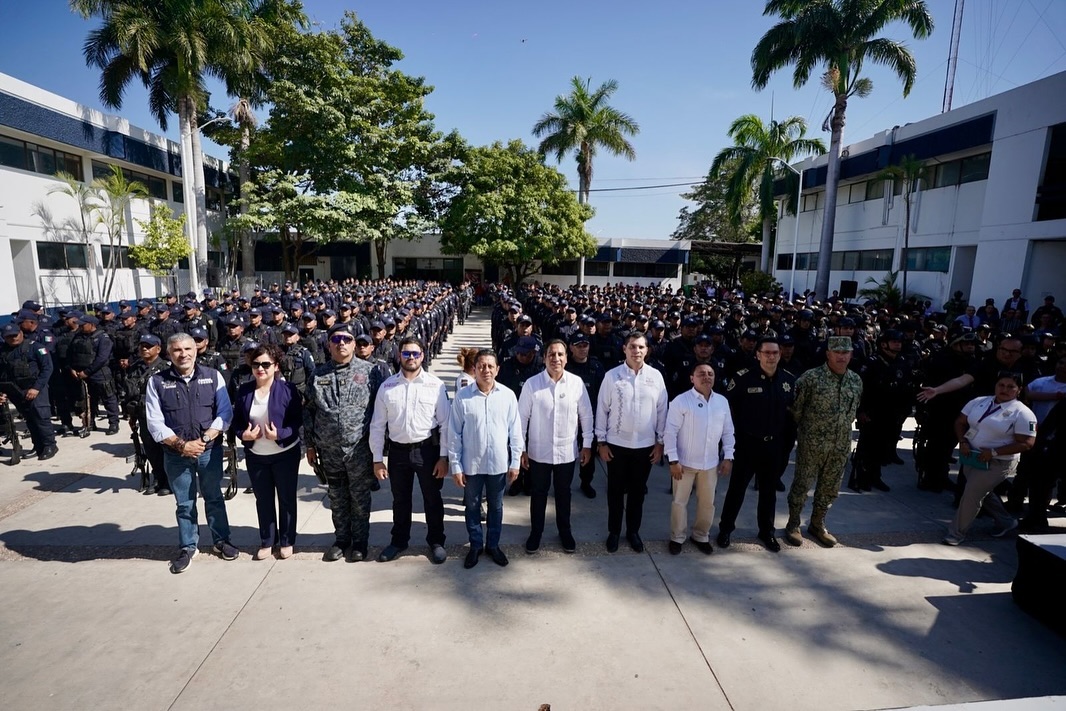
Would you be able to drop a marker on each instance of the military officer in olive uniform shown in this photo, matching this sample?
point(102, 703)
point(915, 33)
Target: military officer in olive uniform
point(26, 367)
point(827, 398)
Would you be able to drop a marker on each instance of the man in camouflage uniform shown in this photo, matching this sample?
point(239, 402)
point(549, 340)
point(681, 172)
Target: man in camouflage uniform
point(336, 431)
point(827, 398)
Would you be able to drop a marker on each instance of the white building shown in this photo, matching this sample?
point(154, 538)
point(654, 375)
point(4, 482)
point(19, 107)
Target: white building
point(990, 218)
point(44, 252)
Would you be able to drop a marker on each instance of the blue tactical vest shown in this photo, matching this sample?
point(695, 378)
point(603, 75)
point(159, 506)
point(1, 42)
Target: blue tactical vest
point(188, 407)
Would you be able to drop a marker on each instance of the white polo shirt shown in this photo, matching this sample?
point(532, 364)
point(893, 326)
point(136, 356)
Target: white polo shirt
point(996, 424)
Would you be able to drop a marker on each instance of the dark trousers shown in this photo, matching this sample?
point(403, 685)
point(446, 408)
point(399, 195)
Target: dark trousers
point(544, 477)
point(940, 441)
point(404, 466)
point(1041, 472)
point(273, 476)
point(760, 460)
point(103, 392)
point(38, 416)
point(154, 451)
point(876, 438)
point(627, 483)
point(348, 483)
point(588, 471)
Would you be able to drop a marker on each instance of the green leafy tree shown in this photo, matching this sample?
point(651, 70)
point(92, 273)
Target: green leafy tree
point(839, 35)
point(715, 216)
point(584, 122)
point(750, 169)
point(171, 47)
point(909, 172)
point(757, 283)
point(164, 244)
point(352, 135)
point(514, 211)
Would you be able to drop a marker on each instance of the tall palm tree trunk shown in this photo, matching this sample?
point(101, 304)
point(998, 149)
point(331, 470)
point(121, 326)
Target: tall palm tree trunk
point(832, 177)
point(247, 236)
point(185, 120)
point(764, 257)
point(201, 203)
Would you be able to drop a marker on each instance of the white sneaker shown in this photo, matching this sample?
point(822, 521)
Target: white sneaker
point(950, 540)
point(1000, 532)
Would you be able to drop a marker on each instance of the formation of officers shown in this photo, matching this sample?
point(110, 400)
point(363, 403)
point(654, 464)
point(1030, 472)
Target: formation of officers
point(718, 384)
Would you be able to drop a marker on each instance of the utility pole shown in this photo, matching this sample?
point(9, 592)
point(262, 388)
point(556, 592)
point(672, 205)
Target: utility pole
point(953, 55)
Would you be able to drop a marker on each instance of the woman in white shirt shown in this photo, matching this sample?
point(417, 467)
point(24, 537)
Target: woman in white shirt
point(992, 431)
point(467, 357)
point(267, 414)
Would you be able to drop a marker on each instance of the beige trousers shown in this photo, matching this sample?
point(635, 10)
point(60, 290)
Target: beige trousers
point(704, 481)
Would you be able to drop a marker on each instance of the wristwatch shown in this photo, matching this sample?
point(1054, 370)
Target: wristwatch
point(672, 461)
point(205, 439)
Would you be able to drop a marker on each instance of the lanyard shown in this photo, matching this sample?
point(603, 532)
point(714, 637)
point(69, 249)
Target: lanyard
point(990, 410)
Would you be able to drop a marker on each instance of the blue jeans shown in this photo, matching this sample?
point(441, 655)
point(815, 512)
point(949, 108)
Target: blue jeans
point(183, 473)
point(493, 485)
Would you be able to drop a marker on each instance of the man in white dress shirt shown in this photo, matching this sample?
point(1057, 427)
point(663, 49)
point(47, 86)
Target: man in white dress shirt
point(630, 420)
point(552, 405)
point(696, 423)
point(411, 407)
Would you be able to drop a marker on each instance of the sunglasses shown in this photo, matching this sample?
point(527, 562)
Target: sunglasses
point(339, 339)
point(262, 365)
point(411, 354)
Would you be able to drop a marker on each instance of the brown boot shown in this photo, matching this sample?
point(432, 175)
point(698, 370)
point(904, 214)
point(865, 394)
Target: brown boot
point(818, 531)
point(792, 531)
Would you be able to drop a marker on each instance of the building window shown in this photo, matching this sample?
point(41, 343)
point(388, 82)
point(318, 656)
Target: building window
point(928, 259)
point(807, 261)
point(784, 261)
point(963, 170)
point(1051, 195)
point(179, 192)
point(60, 255)
point(567, 268)
point(122, 256)
point(156, 187)
point(875, 260)
point(875, 189)
point(38, 159)
point(601, 269)
point(645, 270)
point(857, 192)
point(811, 202)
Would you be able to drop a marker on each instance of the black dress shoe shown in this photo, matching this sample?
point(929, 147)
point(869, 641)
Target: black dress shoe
point(703, 547)
point(390, 552)
point(335, 552)
point(356, 554)
point(112, 430)
point(148, 490)
point(770, 542)
point(48, 453)
point(634, 542)
point(163, 492)
point(674, 547)
point(498, 557)
point(569, 544)
point(723, 540)
point(532, 543)
point(612, 543)
point(588, 491)
point(471, 558)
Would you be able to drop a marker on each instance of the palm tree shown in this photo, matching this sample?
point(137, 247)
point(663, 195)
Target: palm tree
point(910, 172)
point(749, 165)
point(171, 47)
point(839, 35)
point(583, 122)
point(117, 193)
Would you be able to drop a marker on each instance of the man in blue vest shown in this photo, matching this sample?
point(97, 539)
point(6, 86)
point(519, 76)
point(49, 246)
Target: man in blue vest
point(187, 409)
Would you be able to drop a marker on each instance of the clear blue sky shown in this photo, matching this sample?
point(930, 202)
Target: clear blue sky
point(682, 67)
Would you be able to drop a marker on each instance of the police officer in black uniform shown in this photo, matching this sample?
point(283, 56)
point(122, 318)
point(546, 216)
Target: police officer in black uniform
point(297, 365)
point(759, 399)
point(25, 368)
point(513, 373)
point(90, 361)
point(887, 395)
point(230, 346)
point(591, 372)
point(148, 363)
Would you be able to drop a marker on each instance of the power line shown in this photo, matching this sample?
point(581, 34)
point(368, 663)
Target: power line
point(642, 187)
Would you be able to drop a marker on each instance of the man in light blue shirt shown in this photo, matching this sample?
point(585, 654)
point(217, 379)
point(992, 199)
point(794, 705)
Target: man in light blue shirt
point(484, 441)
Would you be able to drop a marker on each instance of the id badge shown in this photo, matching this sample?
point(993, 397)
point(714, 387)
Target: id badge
point(971, 434)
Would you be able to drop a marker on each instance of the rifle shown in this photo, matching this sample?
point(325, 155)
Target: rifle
point(87, 411)
point(231, 469)
point(140, 457)
point(11, 434)
point(316, 465)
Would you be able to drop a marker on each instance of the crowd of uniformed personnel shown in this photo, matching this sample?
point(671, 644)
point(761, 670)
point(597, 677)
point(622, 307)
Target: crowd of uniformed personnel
point(72, 365)
point(895, 352)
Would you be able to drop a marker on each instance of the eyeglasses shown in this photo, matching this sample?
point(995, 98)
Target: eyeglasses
point(262, 365)
point(410, 355)
point(338, 339)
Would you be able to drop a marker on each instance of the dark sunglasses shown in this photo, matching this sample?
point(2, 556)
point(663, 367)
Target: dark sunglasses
point(411, 354)
point(338, 339)
point(262, 365)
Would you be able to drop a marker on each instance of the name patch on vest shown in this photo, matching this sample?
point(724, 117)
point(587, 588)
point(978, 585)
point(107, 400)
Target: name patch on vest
point(205, 381)
point(754, 390)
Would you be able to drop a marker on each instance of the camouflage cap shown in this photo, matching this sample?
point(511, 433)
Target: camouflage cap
point(840, 344)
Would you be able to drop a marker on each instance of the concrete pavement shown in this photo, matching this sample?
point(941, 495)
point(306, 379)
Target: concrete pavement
point(891, 618)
